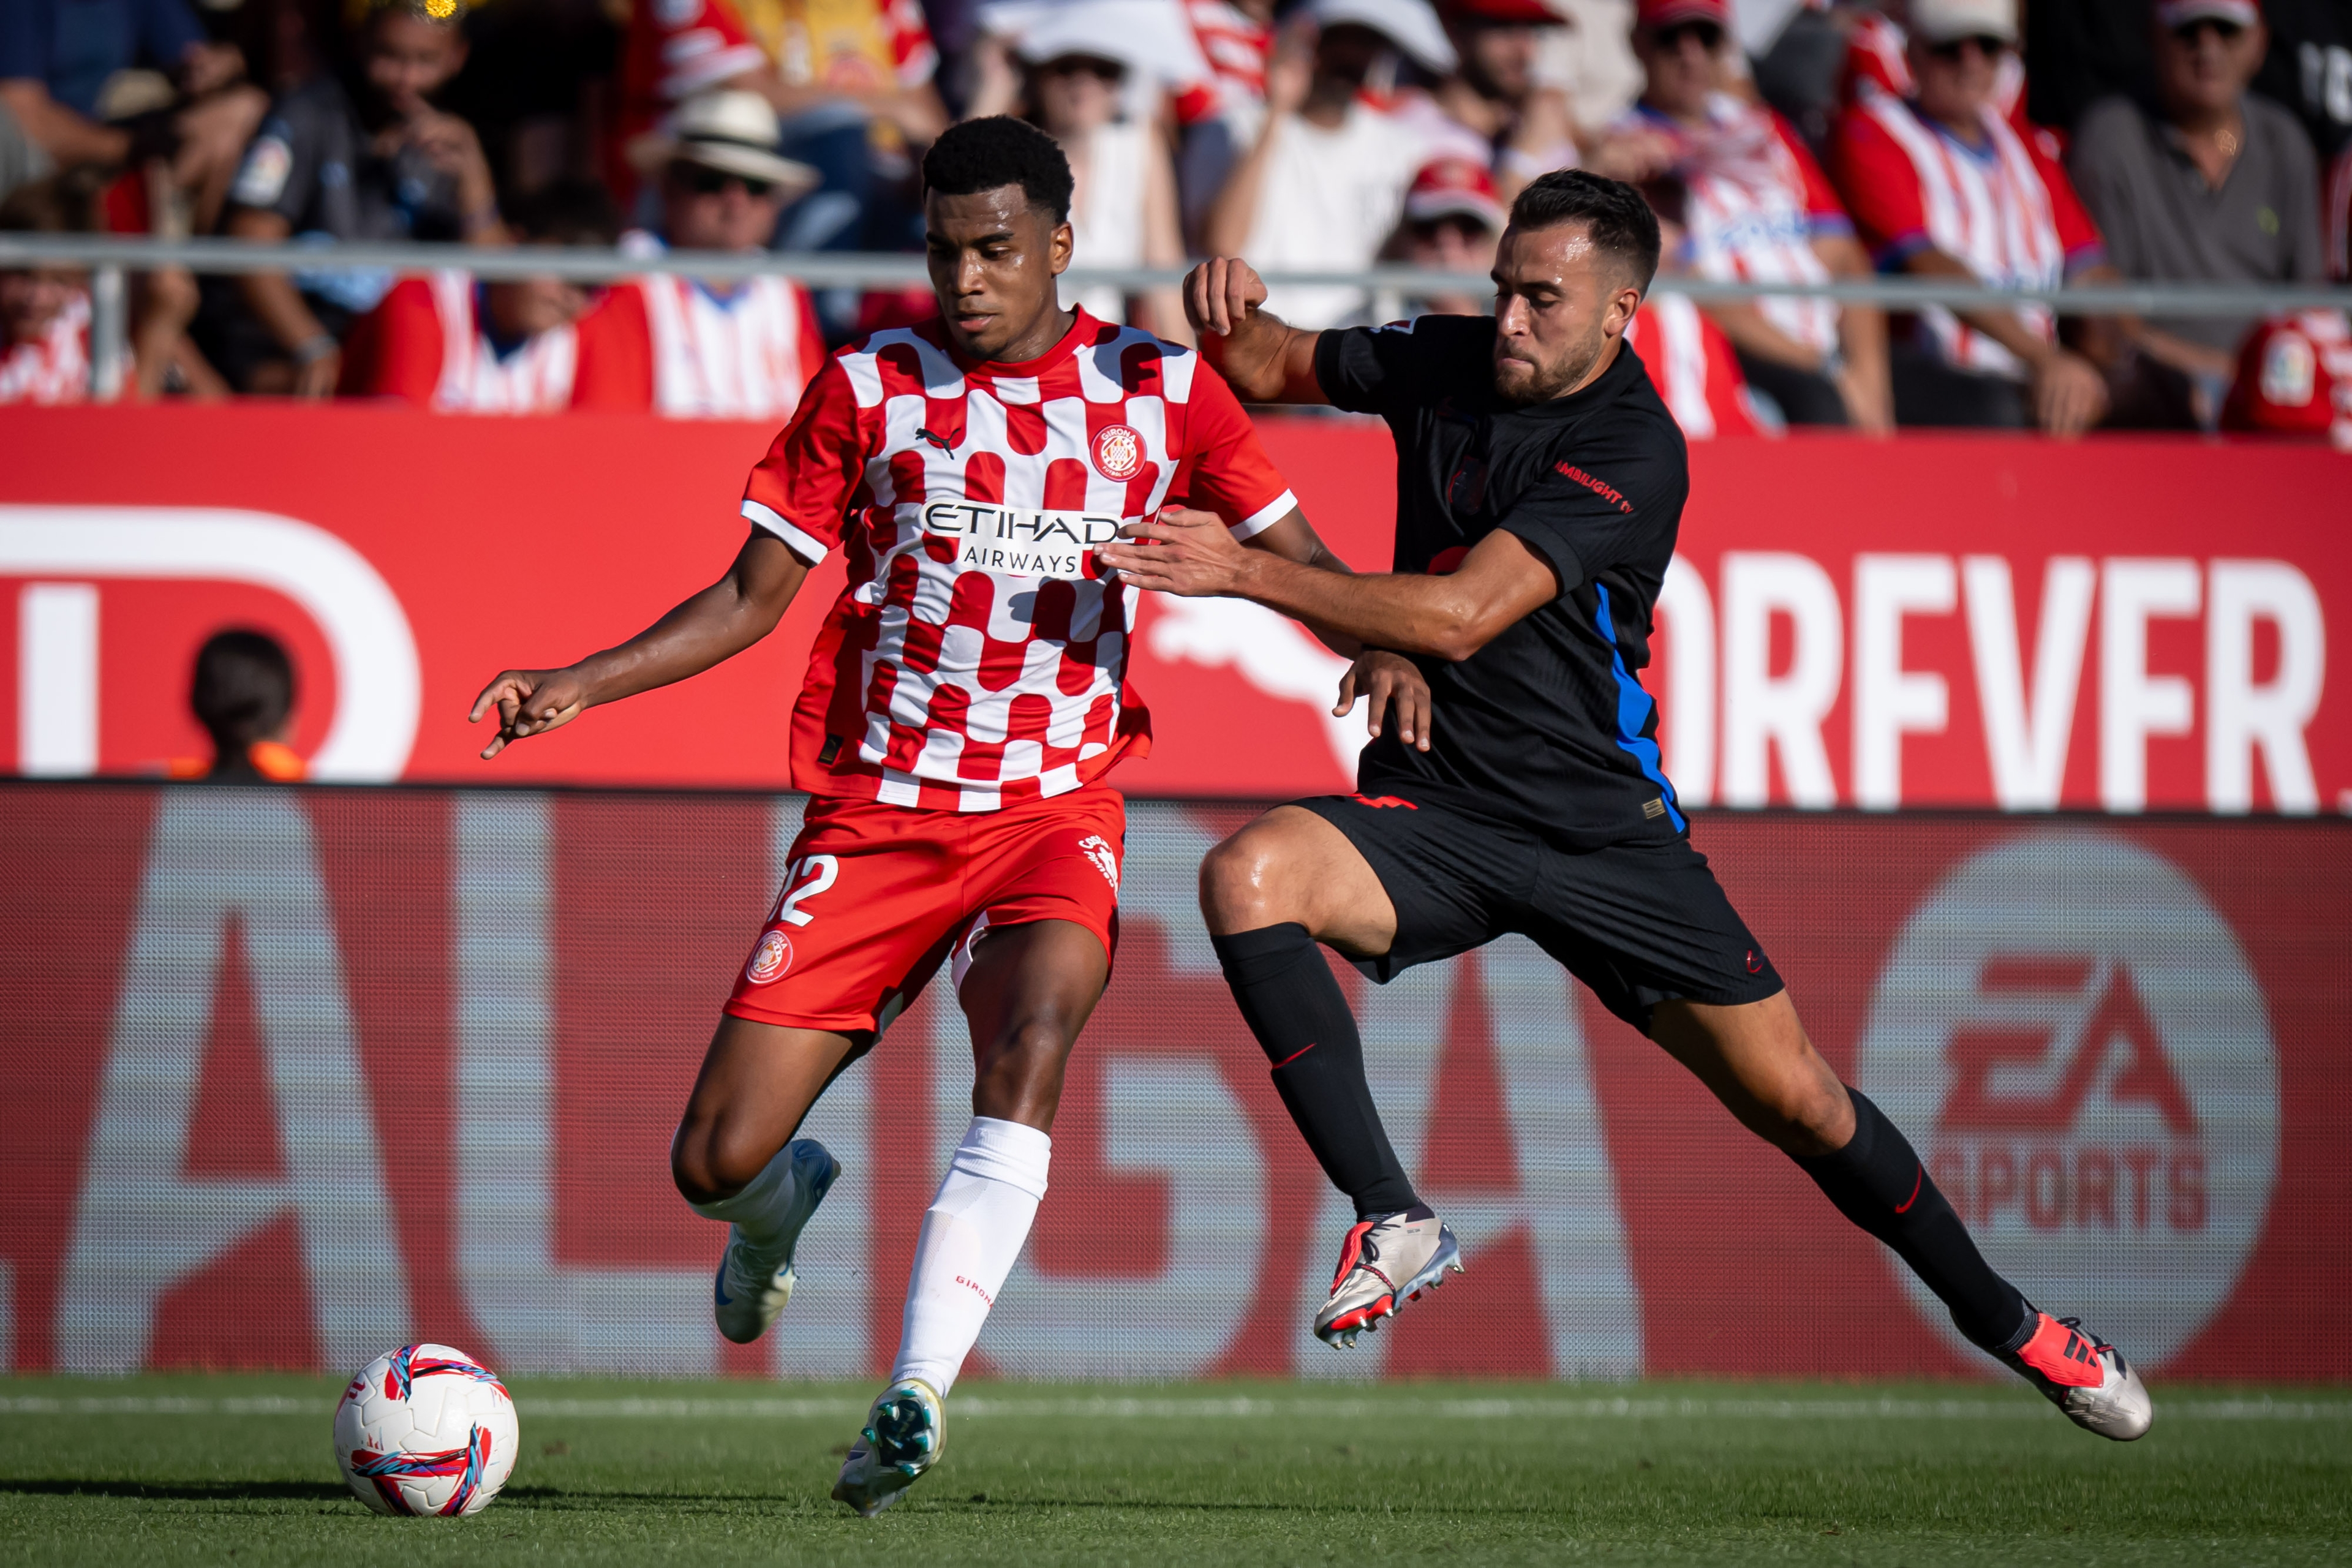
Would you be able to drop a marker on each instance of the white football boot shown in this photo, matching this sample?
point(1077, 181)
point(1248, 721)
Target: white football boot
point(905, 1432)
point(753, 1284)
point(2085, 1376)
point(1385, 1262)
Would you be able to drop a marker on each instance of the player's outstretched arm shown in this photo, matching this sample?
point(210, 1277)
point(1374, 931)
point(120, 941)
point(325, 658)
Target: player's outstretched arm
point(714, 625)
point(1386, 679)
point(1193, 554)
point(1262, 358)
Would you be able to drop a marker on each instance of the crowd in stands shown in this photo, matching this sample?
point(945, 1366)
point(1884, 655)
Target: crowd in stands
point(2028, 143)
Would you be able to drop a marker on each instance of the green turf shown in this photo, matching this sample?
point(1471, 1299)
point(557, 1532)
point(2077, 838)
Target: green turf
point(221, 1469)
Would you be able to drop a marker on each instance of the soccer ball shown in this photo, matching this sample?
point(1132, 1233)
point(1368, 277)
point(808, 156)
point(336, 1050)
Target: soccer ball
point(426, 1429)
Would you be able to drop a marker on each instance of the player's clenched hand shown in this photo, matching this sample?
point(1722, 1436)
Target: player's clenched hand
point(1221, 292)
point(1387, 680)
point(529, 702)
point(1186, 553)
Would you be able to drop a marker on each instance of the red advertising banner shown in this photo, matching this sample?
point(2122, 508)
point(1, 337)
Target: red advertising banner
point(294, 1076)
point(2114, 624)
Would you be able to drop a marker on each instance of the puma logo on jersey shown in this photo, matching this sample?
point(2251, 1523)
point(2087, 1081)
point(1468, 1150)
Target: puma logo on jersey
point(1096, 849)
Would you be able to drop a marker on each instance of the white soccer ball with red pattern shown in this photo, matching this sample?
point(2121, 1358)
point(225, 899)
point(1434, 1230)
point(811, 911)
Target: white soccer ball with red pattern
point(426, 1429)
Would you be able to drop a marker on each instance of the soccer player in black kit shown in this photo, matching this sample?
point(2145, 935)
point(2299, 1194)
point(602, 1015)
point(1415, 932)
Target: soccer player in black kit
point(1540, 482)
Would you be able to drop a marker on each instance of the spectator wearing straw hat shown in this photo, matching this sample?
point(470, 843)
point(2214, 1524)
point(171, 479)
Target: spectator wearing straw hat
point(2212, 185)
point(696, 348)
point(1324, 184)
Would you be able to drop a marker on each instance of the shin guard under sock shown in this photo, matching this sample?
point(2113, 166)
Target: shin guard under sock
point(1291, 1003)
point(1878, 1182)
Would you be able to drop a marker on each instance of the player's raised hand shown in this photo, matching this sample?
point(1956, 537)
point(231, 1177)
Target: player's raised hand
point(1222, 292)
point(1387, 680)
point(1189, 553)
point(529, 702)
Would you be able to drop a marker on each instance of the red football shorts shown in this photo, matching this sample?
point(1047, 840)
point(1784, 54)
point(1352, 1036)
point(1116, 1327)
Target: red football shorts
point(874, 897)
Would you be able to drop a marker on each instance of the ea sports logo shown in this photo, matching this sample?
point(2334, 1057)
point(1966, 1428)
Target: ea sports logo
point(2072, 1037)
point(1119, 452)
point(770, 959)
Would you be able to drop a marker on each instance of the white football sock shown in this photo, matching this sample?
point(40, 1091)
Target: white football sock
point(971, 1235)
point(759, 1208)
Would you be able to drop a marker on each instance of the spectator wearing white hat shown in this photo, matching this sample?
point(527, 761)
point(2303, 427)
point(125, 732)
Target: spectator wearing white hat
point(1079, 66)
point(1942, 185)
point(2217, 184)
point(1322, 186)
point(1755, 206)
point(694, 348)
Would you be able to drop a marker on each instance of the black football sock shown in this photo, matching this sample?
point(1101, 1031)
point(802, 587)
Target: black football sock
point(1878, 1182)
point(1295, 1007)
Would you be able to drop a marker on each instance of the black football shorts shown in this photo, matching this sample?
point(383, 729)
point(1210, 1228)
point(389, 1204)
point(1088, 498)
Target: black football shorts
point(1639, 923)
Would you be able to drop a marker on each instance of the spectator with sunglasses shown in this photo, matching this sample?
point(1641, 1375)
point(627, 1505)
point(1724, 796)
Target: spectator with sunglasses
point(1941, 186)
point(2212, 185)
point(1756, 208)
point(455, 343)
point(696, 348)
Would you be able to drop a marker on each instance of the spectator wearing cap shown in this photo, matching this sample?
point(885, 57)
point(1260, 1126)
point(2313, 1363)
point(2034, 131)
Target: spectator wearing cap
point(1941, 186)
point(1756, 208)
point(1453, 217)
point(455, 343)
point(359, 159)
point(1878, 59)
point(2214, 184)
point(1497, 94)
point(1077, 65)
point(706, 348)
point(1323, 185)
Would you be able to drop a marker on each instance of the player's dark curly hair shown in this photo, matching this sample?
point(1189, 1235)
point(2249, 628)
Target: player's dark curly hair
point(999, 151)
point(1620, 222)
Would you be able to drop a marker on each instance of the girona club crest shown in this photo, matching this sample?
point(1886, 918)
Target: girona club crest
point(2071, 1035)
point(1119, 452)
point(770, 959)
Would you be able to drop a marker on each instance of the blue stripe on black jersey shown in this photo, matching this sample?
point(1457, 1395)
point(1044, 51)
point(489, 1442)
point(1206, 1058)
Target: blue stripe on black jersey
point(1635, 709)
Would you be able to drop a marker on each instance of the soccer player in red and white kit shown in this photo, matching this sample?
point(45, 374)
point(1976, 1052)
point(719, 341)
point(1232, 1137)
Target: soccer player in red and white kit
point(964, 702)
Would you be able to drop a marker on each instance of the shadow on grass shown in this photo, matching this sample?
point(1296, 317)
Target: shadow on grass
point(183, 1491)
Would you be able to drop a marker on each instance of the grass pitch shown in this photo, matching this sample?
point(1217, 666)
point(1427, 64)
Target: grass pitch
point(221, 1469)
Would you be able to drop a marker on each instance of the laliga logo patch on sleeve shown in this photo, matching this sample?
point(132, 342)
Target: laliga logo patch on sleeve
point(1119, 452)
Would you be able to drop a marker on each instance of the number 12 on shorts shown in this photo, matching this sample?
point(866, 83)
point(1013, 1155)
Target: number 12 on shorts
point(804, 878)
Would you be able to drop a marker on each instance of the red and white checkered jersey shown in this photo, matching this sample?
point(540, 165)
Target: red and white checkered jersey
point(424, 344)
point(1692, 364)
point(974, 659)
point(2005, 207)
point(53, 367)
point(1757, 200)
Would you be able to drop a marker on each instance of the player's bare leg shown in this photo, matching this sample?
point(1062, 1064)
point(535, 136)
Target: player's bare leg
point(1028, 991)
point(1756, 1060)
point(1271, 892)
point(734, 1159)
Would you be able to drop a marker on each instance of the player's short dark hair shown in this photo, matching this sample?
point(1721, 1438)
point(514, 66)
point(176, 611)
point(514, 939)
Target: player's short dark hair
point(244, 688)
point(1614, 213)
point(990, 153)
point(568, 212)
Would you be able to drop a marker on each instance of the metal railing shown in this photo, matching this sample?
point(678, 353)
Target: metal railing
point(111, 257)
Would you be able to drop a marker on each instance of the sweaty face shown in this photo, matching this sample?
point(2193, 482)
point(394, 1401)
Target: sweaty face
point(409, 58)
point(994, 259)
point(1558, 304)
